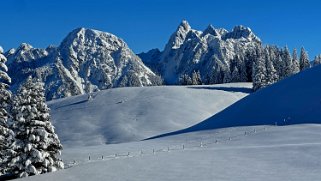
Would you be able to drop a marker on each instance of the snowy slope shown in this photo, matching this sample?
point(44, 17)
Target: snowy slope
point(86, 61)
point(272, 153)
point(131, 114)
point(294, 100)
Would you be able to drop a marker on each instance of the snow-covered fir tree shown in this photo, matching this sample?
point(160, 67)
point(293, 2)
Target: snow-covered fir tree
point(238, 67)
point(236, 75)
point(304, 60)
point(271, 73)
point(185, 80)
point(38, 147)
point(196, 78)
point(317, 60)
point(287, 63)
point(6, 134)
point(295, 62)
point(259, 72)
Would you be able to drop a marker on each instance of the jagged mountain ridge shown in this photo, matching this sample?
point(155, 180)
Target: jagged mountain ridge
point(210, 52)
point(86, 61)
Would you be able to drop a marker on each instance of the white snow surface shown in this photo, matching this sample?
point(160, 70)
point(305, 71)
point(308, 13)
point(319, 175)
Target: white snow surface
point(132, 114)
point(295, 100)
point(271, 153)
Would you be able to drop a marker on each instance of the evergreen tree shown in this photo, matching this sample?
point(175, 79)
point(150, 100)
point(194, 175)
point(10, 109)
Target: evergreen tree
point(185, 80)
point(317, 60)
point(196, 78)
point(287, 64)
point(259, 73)
point(279, 67)
point(236, 75)
point(295, 62)
point(38, 147)
point(226, 73)
point(271, 73)
point(304, 60)
point(295, 55)
point(238, 68)
point(6, 134)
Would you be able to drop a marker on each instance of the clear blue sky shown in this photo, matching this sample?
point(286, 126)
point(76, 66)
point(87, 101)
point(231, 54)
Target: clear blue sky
point(147, 24)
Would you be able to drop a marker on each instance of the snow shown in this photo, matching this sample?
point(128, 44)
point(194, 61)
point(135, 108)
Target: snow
point(295, 100)
point(272, 153)
point(132, 114)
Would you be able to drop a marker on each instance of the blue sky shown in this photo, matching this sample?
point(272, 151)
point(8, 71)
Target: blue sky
point(147, 24)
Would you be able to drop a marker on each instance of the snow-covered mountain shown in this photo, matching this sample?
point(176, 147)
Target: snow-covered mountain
point(211, 52)
point(87, 60)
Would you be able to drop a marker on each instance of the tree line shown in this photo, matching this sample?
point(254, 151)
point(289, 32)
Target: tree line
point(262, 65)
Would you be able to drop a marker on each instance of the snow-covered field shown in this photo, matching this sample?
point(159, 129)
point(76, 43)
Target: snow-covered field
point(264, 153)
point(133, 114)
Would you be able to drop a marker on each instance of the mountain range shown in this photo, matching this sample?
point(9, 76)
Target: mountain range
point(89, 60)
point(210, 52)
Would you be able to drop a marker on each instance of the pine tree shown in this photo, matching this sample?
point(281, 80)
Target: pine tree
point(317, 60)
point(271, 73)
point(185, 80)
point(238, 68)
point(295, 62)
point(226, 73)
point(6, 134)
point(259, 73)
point(279, 66)
point(196, 78)
point(236, 75)
point(38, 147)
point(304, 60)
point(295, 55)
point(287, 64)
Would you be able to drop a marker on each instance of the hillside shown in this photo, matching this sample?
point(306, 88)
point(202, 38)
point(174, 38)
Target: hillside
point(295, 100)
point(132, 114)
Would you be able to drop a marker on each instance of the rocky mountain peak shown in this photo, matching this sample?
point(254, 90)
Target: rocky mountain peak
point(241, 31)
point(210, 30)
point(178, 36)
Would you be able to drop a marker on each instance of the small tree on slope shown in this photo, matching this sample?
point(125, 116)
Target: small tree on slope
point(38, 147)
point(271, 73)
point(6, 134)
point(259, 73)
point(317, 60)
point(304, 60)
point(295, 62)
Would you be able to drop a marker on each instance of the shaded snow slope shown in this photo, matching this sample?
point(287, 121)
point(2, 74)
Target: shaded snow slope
point(131, 114)
point(295, 100)
point(272, 153)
